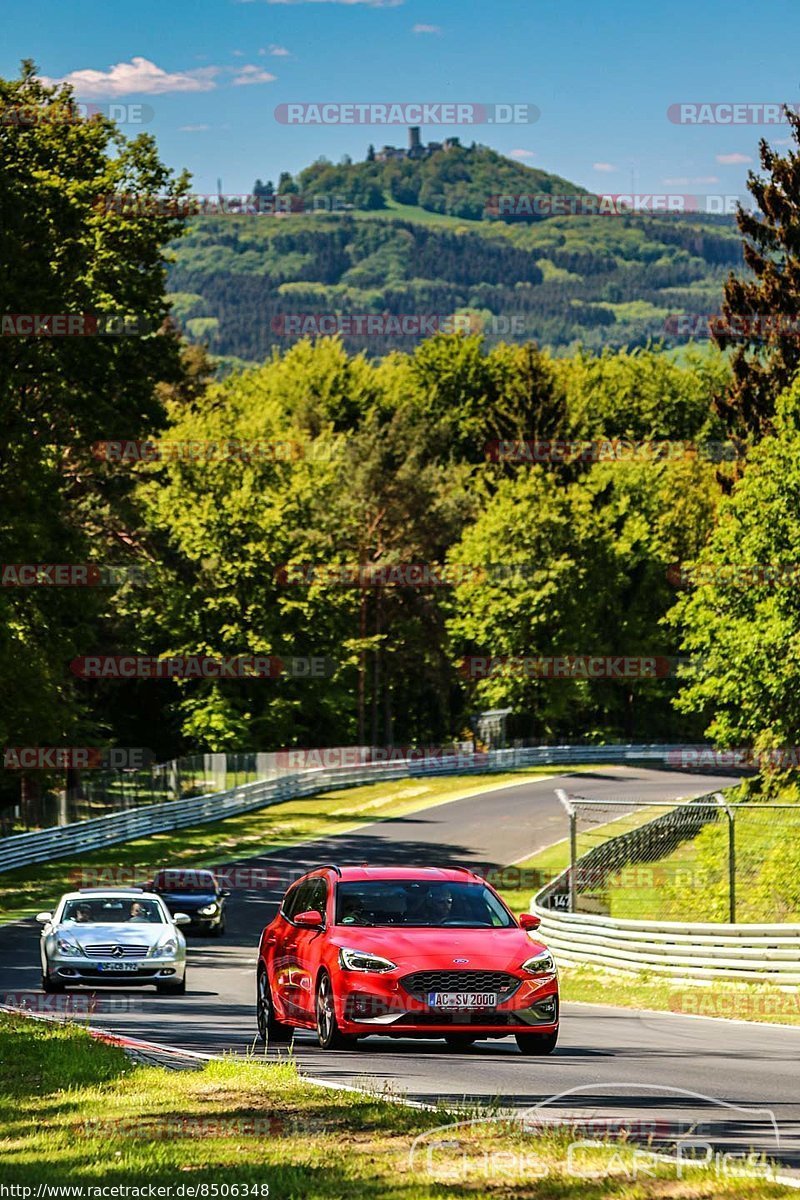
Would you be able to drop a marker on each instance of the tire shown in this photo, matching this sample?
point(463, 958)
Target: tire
point(270, 1029)
point(460, 1041)
point(172, 989)
point(218, 930)
point(51, 985)
point(329, 1036)
point(537, 1043)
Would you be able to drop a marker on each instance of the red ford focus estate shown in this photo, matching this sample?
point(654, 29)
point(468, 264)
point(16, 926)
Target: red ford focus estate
point(404, 952)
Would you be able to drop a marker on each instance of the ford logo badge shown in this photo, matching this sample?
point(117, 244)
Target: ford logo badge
point(460, 960)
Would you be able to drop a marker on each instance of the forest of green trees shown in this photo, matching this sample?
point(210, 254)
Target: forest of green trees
point(324, 456)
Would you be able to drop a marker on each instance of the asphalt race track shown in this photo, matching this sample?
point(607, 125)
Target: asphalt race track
point(736, 1084)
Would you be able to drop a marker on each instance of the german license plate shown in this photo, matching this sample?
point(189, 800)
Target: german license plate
point(118, 966)
point(462, 999)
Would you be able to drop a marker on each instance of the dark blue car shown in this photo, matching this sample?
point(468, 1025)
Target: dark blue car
point(194, 892)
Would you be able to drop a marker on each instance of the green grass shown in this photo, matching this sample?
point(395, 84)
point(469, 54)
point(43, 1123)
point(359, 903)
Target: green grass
point(74, 1111)
point(30, 889)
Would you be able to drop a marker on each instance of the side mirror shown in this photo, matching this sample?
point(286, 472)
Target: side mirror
point(309, 920)
point(44, 918)
point(529, 921)
point(181, 919)
point(225, 892)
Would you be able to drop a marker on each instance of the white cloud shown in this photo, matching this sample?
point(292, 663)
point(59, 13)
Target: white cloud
point(193, 128)
point(782, 141)
point(522, 154)
point(601, 166)
point(137, 77)
point(238, 53)
point(251, 74)
point(275, 51)
point(685, 181)
point(732, 160)
point(427, 29)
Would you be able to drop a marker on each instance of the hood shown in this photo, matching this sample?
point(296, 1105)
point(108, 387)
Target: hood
point(194, 899)
point(118, 933)
point(499, 949)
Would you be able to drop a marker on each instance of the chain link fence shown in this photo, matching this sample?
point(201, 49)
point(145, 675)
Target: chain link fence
point(701, 860)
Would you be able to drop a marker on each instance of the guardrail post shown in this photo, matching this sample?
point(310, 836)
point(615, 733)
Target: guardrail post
point(720, 799)
point(573, 847)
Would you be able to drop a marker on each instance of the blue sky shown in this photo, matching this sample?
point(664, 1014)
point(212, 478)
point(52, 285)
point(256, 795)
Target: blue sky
point(603, 76)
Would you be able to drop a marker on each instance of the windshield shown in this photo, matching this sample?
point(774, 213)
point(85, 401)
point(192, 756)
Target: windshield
point(111, 910)
point(419, 903)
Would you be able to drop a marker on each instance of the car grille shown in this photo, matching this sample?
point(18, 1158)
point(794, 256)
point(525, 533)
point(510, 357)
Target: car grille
point(112, 950)
point(422, 982)
point(483, 1016)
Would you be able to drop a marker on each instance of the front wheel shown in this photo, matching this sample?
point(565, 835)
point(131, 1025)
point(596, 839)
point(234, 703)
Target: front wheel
point(172, 989)
point(329, 1035)
point(51, 985)
point(270, 1029)
point(537, 1043)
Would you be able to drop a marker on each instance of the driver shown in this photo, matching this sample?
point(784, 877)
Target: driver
point(83, 914)
point(439, 905)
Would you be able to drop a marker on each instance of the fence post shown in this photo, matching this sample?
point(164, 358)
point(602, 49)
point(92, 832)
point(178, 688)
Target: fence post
point(573, 847)
point(731, 857)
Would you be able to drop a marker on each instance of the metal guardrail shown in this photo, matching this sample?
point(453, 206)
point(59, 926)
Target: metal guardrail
point(756, 953)
point(752, 953)
point(45, 845)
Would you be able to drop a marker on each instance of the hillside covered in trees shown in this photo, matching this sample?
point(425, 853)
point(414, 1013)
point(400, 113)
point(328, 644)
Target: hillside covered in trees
point(419, 237)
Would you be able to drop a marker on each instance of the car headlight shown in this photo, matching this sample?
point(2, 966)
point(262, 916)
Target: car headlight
point(361, 960)
point(166, 947)
point(208, 911)
point(68, 947)
point(542, 963)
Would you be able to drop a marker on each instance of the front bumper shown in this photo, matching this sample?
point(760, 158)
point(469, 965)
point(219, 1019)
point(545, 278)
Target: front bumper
point(371, 1004)
point(130, 972)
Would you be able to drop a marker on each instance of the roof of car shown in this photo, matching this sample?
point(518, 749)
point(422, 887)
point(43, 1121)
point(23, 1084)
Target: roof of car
point(365, 872)
point(110, 894)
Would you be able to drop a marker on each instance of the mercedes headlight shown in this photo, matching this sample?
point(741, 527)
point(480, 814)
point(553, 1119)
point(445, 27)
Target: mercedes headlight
point(66, 946)
point(542, 963)
point(166, 948)
point(208, 911)
point(361, 960)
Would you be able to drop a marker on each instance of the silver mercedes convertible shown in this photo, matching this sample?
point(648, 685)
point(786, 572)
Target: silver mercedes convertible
point(112, 936)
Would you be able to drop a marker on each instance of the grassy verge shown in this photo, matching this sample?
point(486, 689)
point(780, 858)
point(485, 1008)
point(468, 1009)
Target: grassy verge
point(31, 889)
point(75, 1111)
point(739, 1001)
